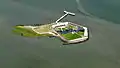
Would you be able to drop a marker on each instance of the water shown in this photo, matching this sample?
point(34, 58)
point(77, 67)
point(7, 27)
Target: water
point(105, 9)
point(101, 51)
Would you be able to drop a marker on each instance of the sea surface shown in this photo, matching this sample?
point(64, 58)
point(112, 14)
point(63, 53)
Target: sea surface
point(102, 50)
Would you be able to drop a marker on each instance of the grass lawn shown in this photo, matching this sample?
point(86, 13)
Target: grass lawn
point(70, 36)
point(25, 32)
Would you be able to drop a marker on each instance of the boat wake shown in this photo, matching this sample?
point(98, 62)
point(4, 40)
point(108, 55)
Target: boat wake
point(81, 9)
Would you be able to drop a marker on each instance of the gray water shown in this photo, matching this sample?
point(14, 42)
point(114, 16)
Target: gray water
point(105, 9)
point(101, 51)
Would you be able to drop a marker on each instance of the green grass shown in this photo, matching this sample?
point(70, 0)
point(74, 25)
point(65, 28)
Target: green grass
point(71, 27)
point(70, 36)
point(25, 32)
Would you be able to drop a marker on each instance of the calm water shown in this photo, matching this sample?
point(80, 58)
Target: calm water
point(105, 9)
point(101, 51)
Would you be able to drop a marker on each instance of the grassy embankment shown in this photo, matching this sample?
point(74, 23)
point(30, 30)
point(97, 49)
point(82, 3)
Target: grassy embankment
point(26, 32)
